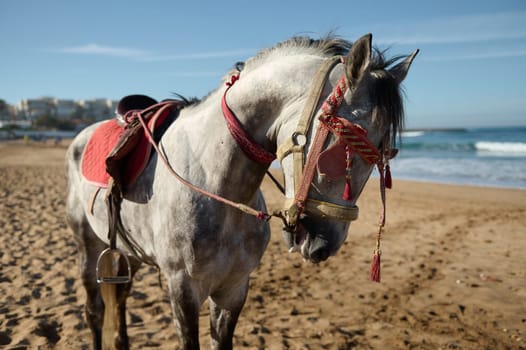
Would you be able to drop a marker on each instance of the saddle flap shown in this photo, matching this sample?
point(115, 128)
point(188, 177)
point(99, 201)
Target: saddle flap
point(131, 154)
point(128, 157)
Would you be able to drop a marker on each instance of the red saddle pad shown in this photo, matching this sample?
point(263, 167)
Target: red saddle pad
point(103, 141)
point(100, 144)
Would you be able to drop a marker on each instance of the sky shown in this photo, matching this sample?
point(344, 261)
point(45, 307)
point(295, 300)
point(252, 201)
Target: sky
point(470, 71)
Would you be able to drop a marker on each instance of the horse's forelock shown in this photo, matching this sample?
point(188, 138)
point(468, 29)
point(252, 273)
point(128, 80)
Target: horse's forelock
point(387, 95)
point(388, 110)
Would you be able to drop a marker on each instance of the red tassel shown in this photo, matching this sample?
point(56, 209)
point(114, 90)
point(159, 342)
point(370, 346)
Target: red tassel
point(347, 191)
point(388, 179)
point(375, 266)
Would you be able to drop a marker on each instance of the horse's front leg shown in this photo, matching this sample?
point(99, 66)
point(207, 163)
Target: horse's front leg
point(225, 307)
point(185, 301)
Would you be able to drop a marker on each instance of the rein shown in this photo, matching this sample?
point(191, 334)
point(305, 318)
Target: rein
point(243, 207)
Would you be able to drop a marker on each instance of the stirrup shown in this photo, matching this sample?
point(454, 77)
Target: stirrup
point(114, 255)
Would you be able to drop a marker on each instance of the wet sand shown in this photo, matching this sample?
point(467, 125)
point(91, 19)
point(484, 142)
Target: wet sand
point(453, 273)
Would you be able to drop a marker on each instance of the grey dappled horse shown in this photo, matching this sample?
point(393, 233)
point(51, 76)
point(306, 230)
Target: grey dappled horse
point(205, 248)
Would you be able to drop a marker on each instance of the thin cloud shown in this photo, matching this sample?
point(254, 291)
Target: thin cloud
point(145, 56)
point(96, 49)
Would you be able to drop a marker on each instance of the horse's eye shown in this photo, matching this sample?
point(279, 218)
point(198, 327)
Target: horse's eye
point(357, 113)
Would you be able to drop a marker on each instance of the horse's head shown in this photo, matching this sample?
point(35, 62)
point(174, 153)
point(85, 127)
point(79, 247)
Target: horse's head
point(349, 125)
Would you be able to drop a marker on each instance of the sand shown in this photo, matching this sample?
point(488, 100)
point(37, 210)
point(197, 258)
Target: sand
point(454, 273)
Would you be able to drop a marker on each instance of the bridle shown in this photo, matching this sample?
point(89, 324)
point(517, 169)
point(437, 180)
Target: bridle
point(349, 136)
point(304, 169)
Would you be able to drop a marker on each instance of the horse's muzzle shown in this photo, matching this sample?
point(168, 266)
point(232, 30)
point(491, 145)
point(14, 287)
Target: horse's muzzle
point(316, 239)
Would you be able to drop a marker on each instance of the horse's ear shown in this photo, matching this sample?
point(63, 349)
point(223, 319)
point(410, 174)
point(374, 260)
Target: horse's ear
point(399, 71)
point(358, 60)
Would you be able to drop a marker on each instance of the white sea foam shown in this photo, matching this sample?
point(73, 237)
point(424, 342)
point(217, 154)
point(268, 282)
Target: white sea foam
point(412, 133)
point(518, 148)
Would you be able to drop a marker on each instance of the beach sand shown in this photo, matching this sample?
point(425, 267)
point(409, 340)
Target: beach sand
point(453, 273)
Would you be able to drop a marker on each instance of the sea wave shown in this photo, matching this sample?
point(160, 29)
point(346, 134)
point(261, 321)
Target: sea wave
point(412, 133)
point(439, 146)
point(501, 147)
point(486, 147)
point(489, 172)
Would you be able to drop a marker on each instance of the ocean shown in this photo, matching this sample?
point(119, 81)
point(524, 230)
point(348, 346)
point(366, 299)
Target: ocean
point(493, 157)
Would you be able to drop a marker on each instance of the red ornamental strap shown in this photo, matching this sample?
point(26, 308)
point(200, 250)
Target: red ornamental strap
point(355, 139)
point(353, 136)
point(334, 100)
point(252, 149)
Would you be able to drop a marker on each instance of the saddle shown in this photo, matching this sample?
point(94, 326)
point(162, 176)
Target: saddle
point(115, 156)
point(119, 148)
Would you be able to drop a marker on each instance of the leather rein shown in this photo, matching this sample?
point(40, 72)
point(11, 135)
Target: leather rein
point(352, 136)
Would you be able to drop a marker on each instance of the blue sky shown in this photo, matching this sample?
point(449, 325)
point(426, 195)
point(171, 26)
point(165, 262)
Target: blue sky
point(470, 72)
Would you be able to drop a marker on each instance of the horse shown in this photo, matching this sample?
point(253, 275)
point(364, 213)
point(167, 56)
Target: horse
point(197, 227)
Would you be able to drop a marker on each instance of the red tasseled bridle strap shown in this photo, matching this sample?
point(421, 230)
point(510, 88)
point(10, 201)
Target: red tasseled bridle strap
point(252, 149)
point(352, 135)
point(355, 139)
point(348, 133)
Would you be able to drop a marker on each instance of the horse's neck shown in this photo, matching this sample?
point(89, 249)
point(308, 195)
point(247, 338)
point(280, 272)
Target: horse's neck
point(208, 156)
point(260, 100)
point(272, 96)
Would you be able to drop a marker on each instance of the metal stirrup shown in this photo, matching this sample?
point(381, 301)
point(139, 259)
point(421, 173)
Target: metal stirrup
point(114, 254)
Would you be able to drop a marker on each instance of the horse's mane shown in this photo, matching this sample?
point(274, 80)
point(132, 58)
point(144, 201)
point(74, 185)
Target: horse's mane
point(385, 91)
point(328, 46)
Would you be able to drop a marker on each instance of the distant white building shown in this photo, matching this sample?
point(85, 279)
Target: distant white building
point(33, 108)
point(62, 109)
point(8, 112)
point(98, 108)
point(65, 109)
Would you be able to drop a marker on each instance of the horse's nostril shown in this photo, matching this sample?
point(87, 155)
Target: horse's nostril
point(319, 255)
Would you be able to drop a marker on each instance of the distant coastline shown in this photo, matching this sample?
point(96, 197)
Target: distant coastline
point(436, 130)
point(36, 135)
